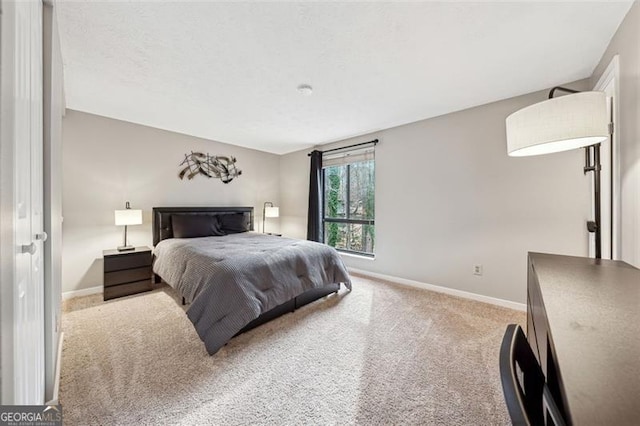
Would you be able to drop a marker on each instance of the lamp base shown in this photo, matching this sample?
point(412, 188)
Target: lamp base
point(126, 248)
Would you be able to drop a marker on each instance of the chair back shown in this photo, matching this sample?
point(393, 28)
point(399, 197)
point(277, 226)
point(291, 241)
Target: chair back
point(528, 399)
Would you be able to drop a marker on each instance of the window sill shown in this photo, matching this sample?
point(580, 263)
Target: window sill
point(357, 256)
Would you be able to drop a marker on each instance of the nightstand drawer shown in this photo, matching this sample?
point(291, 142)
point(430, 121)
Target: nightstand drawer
point(126, 289)
point(127, 276)
point(129, 261)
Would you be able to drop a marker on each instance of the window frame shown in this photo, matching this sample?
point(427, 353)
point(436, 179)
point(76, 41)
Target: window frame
point(346, 220)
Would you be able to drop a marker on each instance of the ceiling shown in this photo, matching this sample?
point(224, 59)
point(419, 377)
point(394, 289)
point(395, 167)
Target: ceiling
point(228, 71)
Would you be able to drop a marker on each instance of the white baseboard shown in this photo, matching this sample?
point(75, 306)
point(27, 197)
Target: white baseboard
point(450, 291)
point(403, 281)
point(56, 384)
point(83, 292)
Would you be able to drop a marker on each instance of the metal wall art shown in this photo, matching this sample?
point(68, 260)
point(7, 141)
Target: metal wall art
point(211, 166)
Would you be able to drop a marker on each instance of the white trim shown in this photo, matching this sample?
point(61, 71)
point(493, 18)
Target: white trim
point(82, 292)
point(356, 256)
point(56, 383)
point(612, 73)
point(439, 289)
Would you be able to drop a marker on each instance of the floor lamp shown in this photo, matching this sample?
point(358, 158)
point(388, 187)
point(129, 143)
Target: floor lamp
point(577, 120)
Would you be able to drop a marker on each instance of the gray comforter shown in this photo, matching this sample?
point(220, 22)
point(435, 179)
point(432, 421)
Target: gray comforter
point(232, 280)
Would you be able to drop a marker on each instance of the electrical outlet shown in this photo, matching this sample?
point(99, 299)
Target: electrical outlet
point(477, 269)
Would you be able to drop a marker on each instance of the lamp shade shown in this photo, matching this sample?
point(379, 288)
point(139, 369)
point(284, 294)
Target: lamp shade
point(271, 212)
point(558, 124)
point(128, 217)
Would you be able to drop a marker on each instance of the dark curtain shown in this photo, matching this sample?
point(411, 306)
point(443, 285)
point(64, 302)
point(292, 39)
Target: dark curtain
point(314, 221)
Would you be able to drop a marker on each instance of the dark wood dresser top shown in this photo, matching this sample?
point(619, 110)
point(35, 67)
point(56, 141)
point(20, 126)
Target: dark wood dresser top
point(593, 312)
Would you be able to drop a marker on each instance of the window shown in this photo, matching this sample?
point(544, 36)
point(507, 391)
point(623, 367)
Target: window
point(349, 200)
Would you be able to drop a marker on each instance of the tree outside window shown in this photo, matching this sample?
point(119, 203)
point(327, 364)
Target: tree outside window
point(349, 206)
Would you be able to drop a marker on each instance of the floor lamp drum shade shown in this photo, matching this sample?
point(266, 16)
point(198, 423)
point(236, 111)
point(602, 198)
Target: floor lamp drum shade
point(128, 217)
point(558, 124)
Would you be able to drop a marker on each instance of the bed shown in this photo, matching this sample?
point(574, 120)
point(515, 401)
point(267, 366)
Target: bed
point(233, 278)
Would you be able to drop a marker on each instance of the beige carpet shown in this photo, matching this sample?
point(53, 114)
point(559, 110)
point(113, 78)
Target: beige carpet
point(382, 354)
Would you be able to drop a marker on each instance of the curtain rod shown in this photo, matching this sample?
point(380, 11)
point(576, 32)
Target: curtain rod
point(374, 142)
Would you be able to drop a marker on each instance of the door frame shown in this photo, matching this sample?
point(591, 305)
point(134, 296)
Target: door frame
point(53, 108)
point(612, 74)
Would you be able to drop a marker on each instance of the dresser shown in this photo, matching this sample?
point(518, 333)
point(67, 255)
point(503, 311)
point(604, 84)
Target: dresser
point(126, 272)
point(583, 324)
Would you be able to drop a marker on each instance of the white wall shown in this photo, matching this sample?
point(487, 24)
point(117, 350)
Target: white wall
point(626, 43)
point(107, 162)
point(294, 193)
point(449, 197)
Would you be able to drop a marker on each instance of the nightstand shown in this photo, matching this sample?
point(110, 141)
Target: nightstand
point(126, 272)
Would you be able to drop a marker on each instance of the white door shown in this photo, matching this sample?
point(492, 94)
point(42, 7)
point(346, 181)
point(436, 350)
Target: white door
point(610, 183)
point(28, 353)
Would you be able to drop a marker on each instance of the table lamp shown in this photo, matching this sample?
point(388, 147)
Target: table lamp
point(269, 210)
point(125, 218)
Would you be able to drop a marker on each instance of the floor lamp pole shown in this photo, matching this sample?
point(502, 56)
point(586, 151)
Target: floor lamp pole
point(593, 226)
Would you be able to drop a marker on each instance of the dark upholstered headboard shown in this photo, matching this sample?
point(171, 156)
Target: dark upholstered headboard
point(162, 218)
